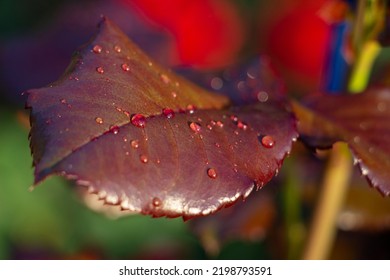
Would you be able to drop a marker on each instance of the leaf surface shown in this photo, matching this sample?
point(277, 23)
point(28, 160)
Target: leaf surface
point(144, 138)
point(361, 120)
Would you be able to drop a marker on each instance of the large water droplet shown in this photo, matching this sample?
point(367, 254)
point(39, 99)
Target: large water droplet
point(195, 127)
point(267, 141)
point(100, 70)
point(125, 67)
point(98, 120)
point(138, 120)
point(212, 173)
point(143, 159)
point(97, 49)
point(168, 113)
point(156, 202)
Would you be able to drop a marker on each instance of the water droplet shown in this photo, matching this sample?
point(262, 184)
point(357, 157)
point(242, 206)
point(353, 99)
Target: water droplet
point(216, 83)
point(234, 119)
point(262, 96)
point(134, 144)
point(98, 120)
point(156, 202)
point(143, 159)
point(267, 141)
point(217, 145)
point(150, 63)
point(174, 94)
point(100, 70)
point(195, 127)
point(114, 129)
point(168, 113)
point(220, 124)
point(125, 67)
point(165, 78)
point(97, 49)
point(212, 173)
point(117, 48)
point(138, 120)
point(242, 125)
point(63, 101)
point(209, 127)
point(191, 108)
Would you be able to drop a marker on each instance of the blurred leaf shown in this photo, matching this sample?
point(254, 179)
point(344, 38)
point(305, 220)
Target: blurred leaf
point(249, 221)
point(244, 83)
point(23, 57)
point(130, 131)
point(361, 121)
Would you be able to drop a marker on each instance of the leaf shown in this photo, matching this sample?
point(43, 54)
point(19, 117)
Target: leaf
point(245, 83)
point(250, 221)
point(360, 120)
point(146, 139)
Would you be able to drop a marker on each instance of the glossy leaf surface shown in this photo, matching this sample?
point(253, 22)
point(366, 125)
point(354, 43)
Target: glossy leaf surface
point(361, 120)
point(144, 138)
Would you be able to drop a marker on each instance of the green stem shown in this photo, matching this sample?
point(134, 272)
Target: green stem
point(334, 188)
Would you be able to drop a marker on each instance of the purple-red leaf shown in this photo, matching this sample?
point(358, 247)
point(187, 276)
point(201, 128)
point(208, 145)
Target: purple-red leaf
point(144, 138)
point(360, 120)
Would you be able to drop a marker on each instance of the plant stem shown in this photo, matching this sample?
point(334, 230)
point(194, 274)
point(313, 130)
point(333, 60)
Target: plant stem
point(335, 185)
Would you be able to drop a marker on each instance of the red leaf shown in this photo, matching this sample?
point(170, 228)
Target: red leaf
point(361, 121)
point(144, 138)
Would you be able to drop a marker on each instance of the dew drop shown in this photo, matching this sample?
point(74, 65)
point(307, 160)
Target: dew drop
point(97, 49)
point(63, 101)
point(195, 127)
point(125, 67)
point(156, 202)
point(143, 159)
point(212, 173)
point(191, 108)
point(114, 129)
point(168, 113)
point(267, 141)
point(174, 94)
point(165, 78)
point(98, 120)
point(242, 125)
point(217, 145)
point(134, 144)
point(117, 48)
point(234, 119)
point(138, 120)
point(209, 127)
point(100, 70)
point(220, 124)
